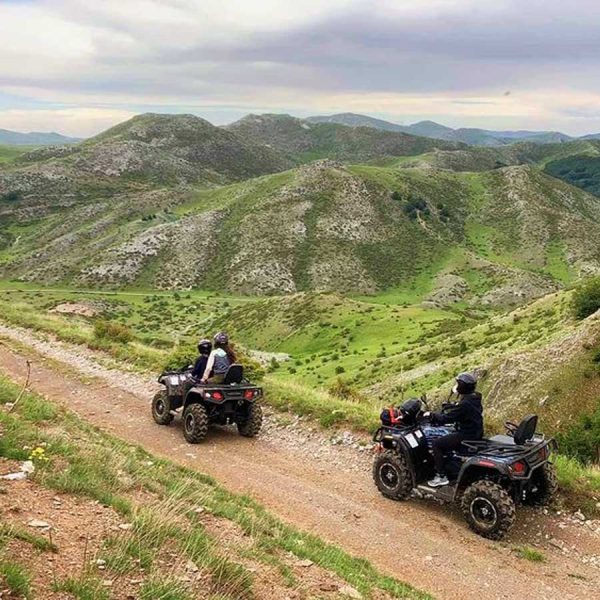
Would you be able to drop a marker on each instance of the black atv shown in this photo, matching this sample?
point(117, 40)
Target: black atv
point(488, 477)
point(233, 401)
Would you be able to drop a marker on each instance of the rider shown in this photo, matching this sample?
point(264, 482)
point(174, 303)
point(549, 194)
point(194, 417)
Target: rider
point(467, 415)
point(219, 359)
point(204, 349)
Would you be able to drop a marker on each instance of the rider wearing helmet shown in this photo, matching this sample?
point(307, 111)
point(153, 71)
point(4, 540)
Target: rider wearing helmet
point(467, 415)
point(219, 360)
point(204, 348)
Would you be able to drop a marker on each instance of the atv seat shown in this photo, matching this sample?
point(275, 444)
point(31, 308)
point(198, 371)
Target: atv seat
point(519, 435)
point(235, 374)
point(502, 439)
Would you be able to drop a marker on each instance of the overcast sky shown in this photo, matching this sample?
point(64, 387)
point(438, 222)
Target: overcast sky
point(79, 66)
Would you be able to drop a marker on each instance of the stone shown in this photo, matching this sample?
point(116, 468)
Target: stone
point(347, 590)
point(39, 524)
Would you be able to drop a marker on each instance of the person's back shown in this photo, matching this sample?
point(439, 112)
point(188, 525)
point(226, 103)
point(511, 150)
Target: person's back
point(219, 361)
point(468, 416)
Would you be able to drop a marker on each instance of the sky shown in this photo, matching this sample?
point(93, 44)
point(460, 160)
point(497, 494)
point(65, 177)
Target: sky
point(78, 67)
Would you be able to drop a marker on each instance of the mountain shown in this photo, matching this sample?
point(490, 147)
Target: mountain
point(495, 238)
point(354, 120)
point(302, 140)
point(147, 150)
point(35, 138)
point(431, 129)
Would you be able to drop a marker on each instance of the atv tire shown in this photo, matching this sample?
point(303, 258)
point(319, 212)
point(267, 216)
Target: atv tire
point(195, 423)
point(392, 476)
point(161, 408)
point(546, 485)
point(251, 426)
point(488, 509)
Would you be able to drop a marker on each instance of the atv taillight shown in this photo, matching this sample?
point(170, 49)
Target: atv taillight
point(518, 468)
point(248, 395)
point(217, 396)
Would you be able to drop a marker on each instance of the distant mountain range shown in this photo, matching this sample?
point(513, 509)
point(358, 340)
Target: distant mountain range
point(431, 129)
point(35, 138)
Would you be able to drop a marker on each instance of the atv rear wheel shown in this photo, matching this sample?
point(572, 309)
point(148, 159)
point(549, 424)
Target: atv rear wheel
point(250, 427)
point(195, 423)
point(543, 486)
point(488, 509)
point(392, 475)
point(161, 408)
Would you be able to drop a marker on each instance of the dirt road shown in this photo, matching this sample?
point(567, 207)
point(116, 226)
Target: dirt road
point(327, 490)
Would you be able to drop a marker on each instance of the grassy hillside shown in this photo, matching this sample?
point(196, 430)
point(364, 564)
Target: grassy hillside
point(493, 238)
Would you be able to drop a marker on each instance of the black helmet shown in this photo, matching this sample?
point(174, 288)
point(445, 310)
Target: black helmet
point(204, 346)
point(221, 338)
point(465, 383)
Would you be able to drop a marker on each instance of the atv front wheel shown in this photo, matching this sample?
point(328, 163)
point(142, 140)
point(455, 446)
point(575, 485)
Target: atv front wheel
point(161, 408)
point(195, 423)
point(543, 486)
point(488, 509)
point(251, 425)
point(392, 475)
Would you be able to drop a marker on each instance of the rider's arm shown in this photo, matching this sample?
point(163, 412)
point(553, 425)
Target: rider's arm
point(209, 366)
point(452, 415)
point(199, 366)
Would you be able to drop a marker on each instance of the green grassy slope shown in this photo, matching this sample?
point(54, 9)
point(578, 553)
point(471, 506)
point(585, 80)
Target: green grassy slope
point(304, 141)
point(359, 229)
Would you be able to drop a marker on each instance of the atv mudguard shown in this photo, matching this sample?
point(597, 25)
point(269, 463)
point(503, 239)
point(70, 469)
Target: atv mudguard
point(397, 442)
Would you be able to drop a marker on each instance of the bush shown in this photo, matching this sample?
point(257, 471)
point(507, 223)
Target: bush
point(339, 370)
point(114, 332)
point(586, 299)
point(582, 440)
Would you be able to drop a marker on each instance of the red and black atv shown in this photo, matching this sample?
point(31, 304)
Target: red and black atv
point(235, 400)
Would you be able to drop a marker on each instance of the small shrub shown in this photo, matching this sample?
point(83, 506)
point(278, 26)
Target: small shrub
point(114, 332)
point(339, 370)
point(531, 554)
point(586, 299)
point(582, 439)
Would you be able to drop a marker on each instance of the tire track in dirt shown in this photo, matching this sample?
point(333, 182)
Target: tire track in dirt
point(419, 542)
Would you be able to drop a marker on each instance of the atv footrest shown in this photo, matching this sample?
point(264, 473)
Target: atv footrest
point(444, 492)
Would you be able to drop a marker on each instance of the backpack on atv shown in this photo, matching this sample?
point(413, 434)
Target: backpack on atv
point(488, 477)
point(235, 400)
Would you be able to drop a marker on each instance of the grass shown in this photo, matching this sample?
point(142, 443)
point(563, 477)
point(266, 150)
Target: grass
point(16, 578)
point(579, 484)
point(86, 587)
point(10, 532)
point(87, 462)
point(531, 554)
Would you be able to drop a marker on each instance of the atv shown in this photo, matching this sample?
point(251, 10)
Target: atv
point(233, 401)
point(488, 477)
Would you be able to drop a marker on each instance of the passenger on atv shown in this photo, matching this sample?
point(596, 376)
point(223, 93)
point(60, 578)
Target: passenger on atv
point(219, 360)
point(466, 415)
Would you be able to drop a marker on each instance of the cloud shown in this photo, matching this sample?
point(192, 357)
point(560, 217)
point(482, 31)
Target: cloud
point(426, 59)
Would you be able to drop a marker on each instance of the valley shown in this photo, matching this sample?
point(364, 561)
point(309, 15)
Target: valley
point(353, 267)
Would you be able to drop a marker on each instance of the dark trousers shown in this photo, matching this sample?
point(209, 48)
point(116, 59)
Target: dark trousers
point(443, 446)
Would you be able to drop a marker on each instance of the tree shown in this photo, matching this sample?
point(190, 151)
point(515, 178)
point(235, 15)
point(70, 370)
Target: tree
point(586, 299)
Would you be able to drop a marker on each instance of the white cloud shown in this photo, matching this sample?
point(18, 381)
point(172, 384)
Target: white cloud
point(426, 59)
point(77, 122)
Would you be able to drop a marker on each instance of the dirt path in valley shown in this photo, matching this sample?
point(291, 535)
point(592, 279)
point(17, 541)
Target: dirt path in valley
point(327, 489)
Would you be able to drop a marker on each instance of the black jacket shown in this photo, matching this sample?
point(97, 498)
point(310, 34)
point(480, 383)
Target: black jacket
point(199, 366)
point(467, 414)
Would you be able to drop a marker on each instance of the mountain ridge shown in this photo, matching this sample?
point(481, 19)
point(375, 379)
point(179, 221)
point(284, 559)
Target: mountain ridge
point(35, 138)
